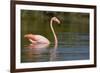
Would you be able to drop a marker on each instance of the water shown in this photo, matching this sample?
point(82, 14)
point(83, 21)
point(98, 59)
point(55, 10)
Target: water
point(71, 46)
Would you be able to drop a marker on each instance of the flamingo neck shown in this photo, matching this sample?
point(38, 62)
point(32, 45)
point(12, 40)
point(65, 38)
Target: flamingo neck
point(55, 37)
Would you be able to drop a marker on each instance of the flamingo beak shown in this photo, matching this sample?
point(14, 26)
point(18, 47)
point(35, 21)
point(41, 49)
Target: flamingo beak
point(56, 20)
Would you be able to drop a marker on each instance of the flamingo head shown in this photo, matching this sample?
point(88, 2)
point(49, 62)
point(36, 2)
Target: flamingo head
point(55, 19)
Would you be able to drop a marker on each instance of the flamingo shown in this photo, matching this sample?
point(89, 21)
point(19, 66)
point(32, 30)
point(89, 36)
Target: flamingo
point(39, 41)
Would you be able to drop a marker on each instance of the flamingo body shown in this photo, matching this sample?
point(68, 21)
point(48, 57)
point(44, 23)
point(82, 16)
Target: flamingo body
point(37, 41)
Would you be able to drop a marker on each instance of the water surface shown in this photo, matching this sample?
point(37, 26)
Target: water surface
point(71, 46)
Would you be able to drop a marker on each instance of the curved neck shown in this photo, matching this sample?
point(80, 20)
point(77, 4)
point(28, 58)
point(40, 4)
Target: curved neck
point(55, 37)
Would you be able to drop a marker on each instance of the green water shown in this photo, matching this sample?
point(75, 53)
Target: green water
point(72, 24)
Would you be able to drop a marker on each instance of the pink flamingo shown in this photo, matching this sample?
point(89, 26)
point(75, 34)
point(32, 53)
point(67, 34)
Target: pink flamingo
point(38, 41)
